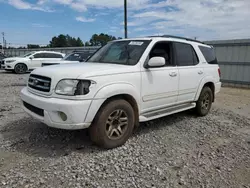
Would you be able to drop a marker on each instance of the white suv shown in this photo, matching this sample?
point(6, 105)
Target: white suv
point(30, 61)
point(125, 82)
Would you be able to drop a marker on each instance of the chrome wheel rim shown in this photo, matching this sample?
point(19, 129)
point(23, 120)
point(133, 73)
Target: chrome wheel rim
point(205, 102)
point(116, 124)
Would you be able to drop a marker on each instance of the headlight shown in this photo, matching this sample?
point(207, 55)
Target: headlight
point(11, 61)
point(73, 87)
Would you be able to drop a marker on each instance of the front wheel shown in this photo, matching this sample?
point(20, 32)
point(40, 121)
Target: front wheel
point(113, 124)
point(204, 103)
point(20, 68)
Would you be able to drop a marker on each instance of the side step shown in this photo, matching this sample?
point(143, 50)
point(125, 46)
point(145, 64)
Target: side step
point(165, 111)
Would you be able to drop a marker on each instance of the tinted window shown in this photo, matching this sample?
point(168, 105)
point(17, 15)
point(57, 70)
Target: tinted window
point(51, 55)
point(163, 49)
point(209, 54)
point(39, 55)
point(185, 55)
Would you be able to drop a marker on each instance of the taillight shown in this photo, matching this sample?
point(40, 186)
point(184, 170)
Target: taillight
point(219, 72)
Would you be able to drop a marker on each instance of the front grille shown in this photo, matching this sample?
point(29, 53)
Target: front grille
point(40, 83)
point(34, 109)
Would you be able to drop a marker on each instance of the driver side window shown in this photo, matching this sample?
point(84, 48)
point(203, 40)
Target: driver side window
point(163, 49)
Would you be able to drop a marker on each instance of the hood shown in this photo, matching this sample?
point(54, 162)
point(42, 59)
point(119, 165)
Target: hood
point(14, 58)
point(83, 70)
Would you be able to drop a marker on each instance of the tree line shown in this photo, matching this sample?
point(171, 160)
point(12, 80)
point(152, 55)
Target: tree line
point(68, 41)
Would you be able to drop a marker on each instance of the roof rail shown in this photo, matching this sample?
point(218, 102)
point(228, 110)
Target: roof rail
point(177, 37)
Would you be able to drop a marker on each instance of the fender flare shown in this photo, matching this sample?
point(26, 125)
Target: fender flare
point(108, 91)
point(201, 85)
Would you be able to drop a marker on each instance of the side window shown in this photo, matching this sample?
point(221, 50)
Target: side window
point(163, 49)
point(52, 55)
point(185, 55)
point(209, 54)
point(39, 55)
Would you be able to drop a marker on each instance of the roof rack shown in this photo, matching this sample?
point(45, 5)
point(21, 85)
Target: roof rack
point(177, 37)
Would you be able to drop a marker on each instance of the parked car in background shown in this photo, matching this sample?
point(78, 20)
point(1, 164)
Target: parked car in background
point(74, 57)
point(125, 82)
point(2, 56)
point(30, 61)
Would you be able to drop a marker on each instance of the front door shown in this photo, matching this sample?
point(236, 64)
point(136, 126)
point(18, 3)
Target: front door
point(160, 84)
point(36, 62)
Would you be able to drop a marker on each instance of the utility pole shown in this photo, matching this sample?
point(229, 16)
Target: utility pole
point(125, 20)
point(3, 41)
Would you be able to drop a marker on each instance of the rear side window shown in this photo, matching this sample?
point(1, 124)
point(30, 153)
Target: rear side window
point(209, 54)
point(185, 55)
point(51, 55)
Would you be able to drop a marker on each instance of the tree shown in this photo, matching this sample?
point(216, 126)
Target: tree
point(101, 39)
point(33, 46)
point(87, 44)
point(65, 41)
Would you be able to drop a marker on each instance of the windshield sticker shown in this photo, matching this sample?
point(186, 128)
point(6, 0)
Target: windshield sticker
point(135, 43)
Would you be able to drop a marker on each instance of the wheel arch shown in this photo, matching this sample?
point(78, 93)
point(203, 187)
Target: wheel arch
point(206, 82)
point(111, 92)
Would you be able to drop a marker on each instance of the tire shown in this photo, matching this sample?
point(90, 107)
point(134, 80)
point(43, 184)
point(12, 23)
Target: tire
point(204, 103)
point(113, 124)
point(20, 68)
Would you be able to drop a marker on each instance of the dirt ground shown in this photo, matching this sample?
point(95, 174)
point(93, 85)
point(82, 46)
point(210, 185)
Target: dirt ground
point(180, 150)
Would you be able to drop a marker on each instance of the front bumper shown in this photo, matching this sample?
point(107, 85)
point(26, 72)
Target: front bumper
point(75, 110)
point(8, 66)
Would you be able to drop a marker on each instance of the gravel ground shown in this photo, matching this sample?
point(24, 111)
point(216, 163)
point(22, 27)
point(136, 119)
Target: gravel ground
point(176, 151)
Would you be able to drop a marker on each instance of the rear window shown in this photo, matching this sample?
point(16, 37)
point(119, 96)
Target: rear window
point(209, 54)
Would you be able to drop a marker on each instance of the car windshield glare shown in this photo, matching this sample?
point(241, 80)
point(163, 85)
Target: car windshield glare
point(28, 54)
point(125, 52)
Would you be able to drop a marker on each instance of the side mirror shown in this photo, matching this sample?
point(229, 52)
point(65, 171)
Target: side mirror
point(31, 57)
point(156, 62)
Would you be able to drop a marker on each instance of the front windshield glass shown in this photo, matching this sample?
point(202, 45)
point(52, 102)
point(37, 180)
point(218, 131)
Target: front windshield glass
point(27, 55)
point(76, 56)
point(125, 52)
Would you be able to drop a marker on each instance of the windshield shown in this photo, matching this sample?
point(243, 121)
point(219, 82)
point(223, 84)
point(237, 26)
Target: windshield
point(126, 52)
point(77, 56)
point(27, 55)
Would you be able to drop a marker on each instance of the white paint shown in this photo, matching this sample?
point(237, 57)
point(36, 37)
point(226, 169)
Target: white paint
point(152, 88)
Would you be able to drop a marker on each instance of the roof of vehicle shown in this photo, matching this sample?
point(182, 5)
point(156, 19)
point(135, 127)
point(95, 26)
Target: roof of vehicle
point(47, 52)
point(171, 37)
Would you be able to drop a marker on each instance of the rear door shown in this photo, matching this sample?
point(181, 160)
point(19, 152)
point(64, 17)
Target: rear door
point(190, 71)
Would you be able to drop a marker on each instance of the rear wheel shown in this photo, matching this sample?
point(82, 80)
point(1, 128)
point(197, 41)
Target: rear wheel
point(204, 103)
point(20, 68)
point(113, 124)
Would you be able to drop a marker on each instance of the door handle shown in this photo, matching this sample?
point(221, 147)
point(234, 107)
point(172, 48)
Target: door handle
point(200, 72)
point(173, 74)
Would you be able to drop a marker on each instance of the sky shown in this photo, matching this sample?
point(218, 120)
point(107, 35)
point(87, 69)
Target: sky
point(37, 21)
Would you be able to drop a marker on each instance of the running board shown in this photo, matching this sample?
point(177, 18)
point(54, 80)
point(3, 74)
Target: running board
point(165, 111)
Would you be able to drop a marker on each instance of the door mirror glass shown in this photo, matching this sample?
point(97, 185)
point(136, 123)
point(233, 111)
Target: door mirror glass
point(156, 62)
point(31, 57)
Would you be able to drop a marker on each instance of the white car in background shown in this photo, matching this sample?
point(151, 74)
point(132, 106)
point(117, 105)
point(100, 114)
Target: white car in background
point(30, 61)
